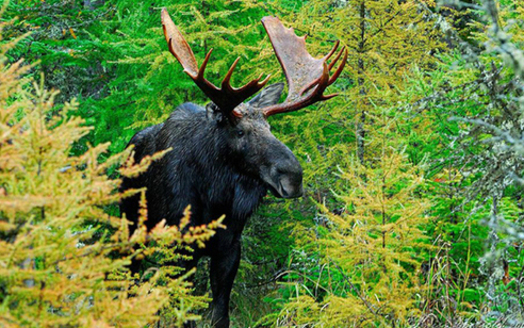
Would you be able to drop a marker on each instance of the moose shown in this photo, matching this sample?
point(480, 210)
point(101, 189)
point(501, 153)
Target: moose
point(224, 158)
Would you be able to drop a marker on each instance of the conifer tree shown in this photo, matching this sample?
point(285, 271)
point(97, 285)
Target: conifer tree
point(370, 252)
point(366, 271)
point(385, 40)
point(480, 202)
point(64, 259)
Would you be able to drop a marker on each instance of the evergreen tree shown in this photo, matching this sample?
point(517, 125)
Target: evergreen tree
point(64, 259)
point(370, 252)
point(471, 104)
point(374, 226)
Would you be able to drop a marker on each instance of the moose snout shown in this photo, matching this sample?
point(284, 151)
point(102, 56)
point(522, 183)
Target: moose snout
point(286, 180)
point(291, 185)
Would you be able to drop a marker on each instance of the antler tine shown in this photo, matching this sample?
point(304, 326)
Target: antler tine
point(340, 67)
point(226, 97)
point(227, 79)
point(337, 72)
point(202, 68)
point(307, 77)
point(336, 58)
point(254, 83)
point(335, 47)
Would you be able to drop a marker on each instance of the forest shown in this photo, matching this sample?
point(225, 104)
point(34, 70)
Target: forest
point(412, 213)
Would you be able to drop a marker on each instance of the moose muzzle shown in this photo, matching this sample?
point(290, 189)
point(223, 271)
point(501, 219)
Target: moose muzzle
point(285, 179)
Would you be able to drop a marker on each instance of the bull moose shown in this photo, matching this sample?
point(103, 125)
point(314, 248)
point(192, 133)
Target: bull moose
point(224, 158)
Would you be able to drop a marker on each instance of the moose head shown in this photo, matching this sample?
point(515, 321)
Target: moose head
point(246, 131)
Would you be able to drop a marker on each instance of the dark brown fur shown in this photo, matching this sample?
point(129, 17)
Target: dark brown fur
point(219, 165)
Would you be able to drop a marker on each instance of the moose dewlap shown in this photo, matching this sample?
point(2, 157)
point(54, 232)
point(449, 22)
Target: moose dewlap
point(224, 158)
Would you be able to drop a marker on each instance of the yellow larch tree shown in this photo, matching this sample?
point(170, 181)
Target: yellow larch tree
point(63, 258)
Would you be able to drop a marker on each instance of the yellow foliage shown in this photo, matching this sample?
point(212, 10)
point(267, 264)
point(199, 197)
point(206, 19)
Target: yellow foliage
point(63, 257)
point(370, 251)
point(375, 247)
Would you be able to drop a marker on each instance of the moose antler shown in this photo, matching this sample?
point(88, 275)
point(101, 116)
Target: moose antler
point(306, 76)
point(226, 97)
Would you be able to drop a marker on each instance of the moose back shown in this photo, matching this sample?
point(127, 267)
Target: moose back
point(224, 157)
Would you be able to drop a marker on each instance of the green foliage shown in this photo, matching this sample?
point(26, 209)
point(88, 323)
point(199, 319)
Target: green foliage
point(410, 217)
point(370, 253)
point(63, 259)
point(120, 60)
point(470, 105)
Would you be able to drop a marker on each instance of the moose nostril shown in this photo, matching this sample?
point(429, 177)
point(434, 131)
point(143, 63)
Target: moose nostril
point(290, 186)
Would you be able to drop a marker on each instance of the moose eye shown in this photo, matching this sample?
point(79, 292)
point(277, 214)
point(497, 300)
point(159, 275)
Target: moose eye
point(240, 133)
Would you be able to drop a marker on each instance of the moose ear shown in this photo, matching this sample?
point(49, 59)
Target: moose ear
point(213, 113)
point(268, 96)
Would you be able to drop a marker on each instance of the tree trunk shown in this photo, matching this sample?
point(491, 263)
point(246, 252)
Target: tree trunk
point(361, 131)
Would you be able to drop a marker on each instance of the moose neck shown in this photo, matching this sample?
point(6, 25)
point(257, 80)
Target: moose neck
point(209, 167)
